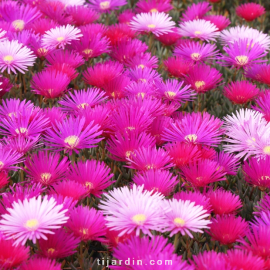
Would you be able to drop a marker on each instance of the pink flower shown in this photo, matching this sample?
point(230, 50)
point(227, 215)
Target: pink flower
point(250, 11)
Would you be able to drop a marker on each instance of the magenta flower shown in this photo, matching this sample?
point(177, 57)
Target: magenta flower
point(5, 86)
point(250, 11)
point(203, 173)
point(221, 22)
point(147, 75)
point(228, 229)
point(242, 54)
point(241, 92)
point(203, 78)
point(54, 114)
point(128, 210)
point(121, 146)
point(140, 89)
point(70, 58)
point(60, 36)
point(126, 16)
point(153, 6)
point(200, 29)
point(228, 163)
point(42, 25)
point(40, 263)
point(196, 11)
point(224, 202)
point(194, 51)
point(15, 57)
point(32, 219)
point(177, 66)
point(196, 197)
point(173, 90)
point(160, 181)
point(197, 128)
point(9, 158)
point(69, 135)
point(82, 99)
point(87, 224)
point(58, 245)
point(50, 83)
point(156, 23)
point(45, 168)
point(148, 158)
point(94, 175)
point(107, 5)
point(184, 217)
point(210, 260)
point(263, 106)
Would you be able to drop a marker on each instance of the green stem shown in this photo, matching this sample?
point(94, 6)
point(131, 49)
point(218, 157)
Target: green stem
point(176, 241)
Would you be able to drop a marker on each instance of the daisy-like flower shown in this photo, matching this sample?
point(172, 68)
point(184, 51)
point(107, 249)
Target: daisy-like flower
point(82, 99)
point(228, 163)
point(200, 29)
point(221, 22)
point(257, 172)
point(184, 217)
point(177, 66)
point(128, 210)
point(182, 153)
point(153, 6)
point(94, 175)
point(227, 229)
point(42, 25)
point(106, 5)
point(87, 224)
point(194, 51)
point(224, 202)
point(173, 90)
point(121, 146)
point(60, 36)
point(250, 11)
point(4, 179)
point(196, 11)
point(58, 245)
point(241, 92)
point(245, 260)
point(143, 60)
point(45, 168)
point(32, 219)
point(40, 263)
point(12, 256)
point(156, 23)
point(263, 205)
point(242, 54)
point(259, 73)
point(5, 86)
point(203, 173)
point(15, 57)
point(197, 128)
point(69, 135)
point(263, 106)
point(102, 73)
point(161, 181)
point(245, 33)
point(126, 16)
point(82, 15)
point(24, 124)
point(113, 240)
point(203, 78)
point(196, 197)
point(64, 68)
point(170, 38)
point(50, 83)
point(54, 114)
point(149, 158)
point(210, 260)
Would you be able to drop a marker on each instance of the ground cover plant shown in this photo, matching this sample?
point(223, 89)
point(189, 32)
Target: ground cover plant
point(134, 135)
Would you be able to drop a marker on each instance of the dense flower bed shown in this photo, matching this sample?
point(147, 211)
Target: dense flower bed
point(134, 135)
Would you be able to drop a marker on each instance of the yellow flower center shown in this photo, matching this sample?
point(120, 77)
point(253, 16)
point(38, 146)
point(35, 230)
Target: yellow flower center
point(83, 105)
point(8, 59)
point(59, 39)
point(51, 250)
point(84, 231)
point(88, 52)
point(170, 94)
point(197, 33)
point(1, 164)
point(45, 176)
point(31, 224)
point(265, 177)
point(20, 130)
point(179, 222)
point(89, 185)
point(72, 141)
point(153, 10)
point(195, 56)
point(141, 66)
point(150, 167)
point(104, 5)
point(141, 94)
point(142, 80)
point(42, 51)
point(266, 150)
point(191, 137)
point(151, 26)
point(139, 219)
point(12, 114)
point(18, 24)
point(241, 60)
point(130, 128)
point(199, 84)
